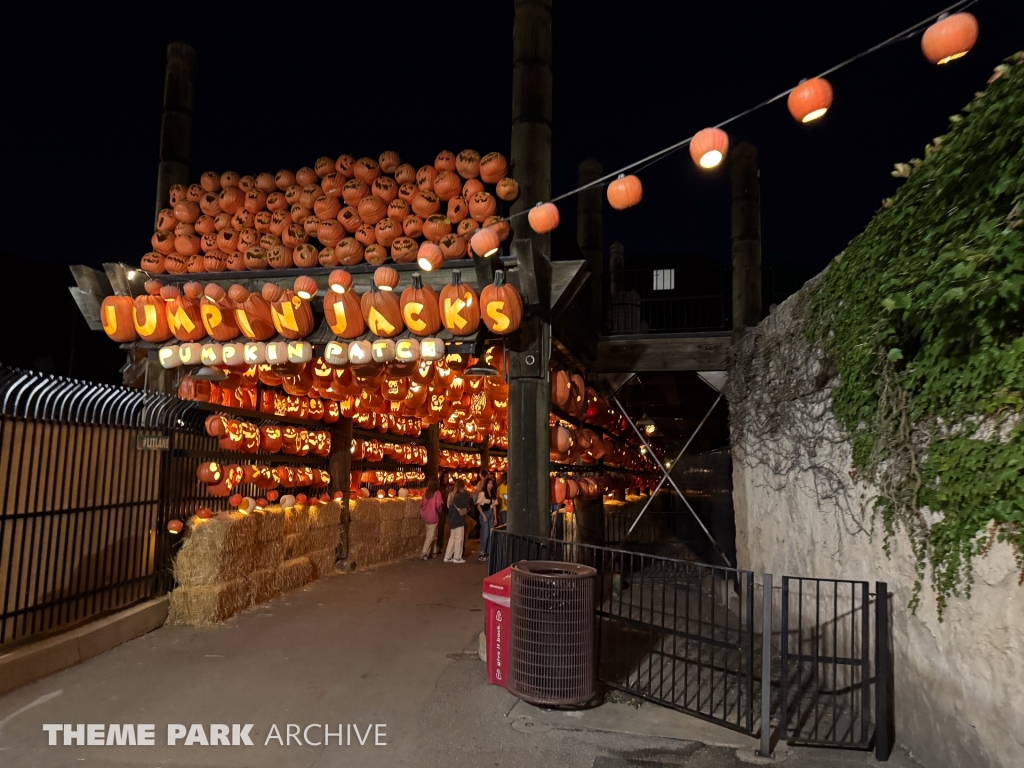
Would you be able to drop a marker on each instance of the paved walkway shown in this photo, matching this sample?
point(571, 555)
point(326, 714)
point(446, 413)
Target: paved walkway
point(395, 646)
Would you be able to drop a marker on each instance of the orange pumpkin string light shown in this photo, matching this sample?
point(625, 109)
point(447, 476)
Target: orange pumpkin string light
point(810, 100)
point(950, 38)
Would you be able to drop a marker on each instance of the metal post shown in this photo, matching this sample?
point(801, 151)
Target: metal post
point(883, 717)
point(766, 669)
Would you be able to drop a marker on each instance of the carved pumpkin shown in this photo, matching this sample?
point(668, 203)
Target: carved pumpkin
point(216, 311)
point(256, 258)
point(344, 165)
point(372, 209)
point(332, 184)
point(214, 261)
point(398, 210)
point(366, 234)
point(425, 203)
point(150, 317)
point(420, 309)
point(354, 191)
point(311, 225)
point(209, 204)
point(499, 225)
point(436, 227)
point(327, 257)
point(375, 254)
point(163, 242)
point(231, 200)
point(206, 225)
point(452, 246)
point(460, 309)
point(413, 226)
point(493, 168)
point(196, 263)
point(366, 169)
point(467, 227)
point(447, 185)
point(284, 179)
point(404, 174)
point(458, 209)
point(343, 310)
point(280, 257)
point(507, 189)
point(252, 313)
point(407, 192)
point(403, 250)
point(425, 177)
point(349, 252)
point(184, 316)
point(482, 205)
point(309, 195)
point(468, 164)
point(543, 217)
point(429, 256)
point(117, 314)
point(501, 306)
point(386, 231)
point(306, 256)
point(276, 202)
point(153, 263)
point(385, 188)
point(261, 221)
point(382, 312)
point(330, 232)
point(299, 213)
point(326, 207)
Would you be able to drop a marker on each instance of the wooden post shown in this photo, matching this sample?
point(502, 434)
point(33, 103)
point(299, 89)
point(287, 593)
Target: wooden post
point(431, 438)
point(590, 521)
point(746, 239)
point(529, 506)
point(340, 467)
point(531, 113)
point(176, 125)
point(590, 233)
point(485, 456)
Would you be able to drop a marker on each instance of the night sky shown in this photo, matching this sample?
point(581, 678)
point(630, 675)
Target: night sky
point(278, 87)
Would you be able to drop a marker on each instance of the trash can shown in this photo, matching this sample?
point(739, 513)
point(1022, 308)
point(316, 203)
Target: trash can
point(497, 596)
point(551, 650)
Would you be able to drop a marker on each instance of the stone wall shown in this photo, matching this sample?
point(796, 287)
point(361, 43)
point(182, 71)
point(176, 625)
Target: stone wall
point(801, 510)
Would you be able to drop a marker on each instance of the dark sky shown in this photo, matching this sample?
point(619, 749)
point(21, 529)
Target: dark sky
point(278, 86)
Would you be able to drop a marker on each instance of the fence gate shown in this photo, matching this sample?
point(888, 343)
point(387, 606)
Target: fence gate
point(826, 663)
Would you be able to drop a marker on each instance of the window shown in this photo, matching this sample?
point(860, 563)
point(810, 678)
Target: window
point(664, 279)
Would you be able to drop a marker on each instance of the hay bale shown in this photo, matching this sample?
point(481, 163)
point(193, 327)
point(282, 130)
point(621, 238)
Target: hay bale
point(392, 509)
point(272, 528)
point(322, 538)
point(219, 550)
point(293, 573)
point(296, 519)
point(323, 561)
point(411, 526)
point(295, 545)
point(269, 555)
point(205, 606)
point(364, 510)
point(325, 515)
point(266, 585)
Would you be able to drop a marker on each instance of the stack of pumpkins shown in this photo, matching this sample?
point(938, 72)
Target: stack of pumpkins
point(246, 437)
point(226, 480)
point(340, 212)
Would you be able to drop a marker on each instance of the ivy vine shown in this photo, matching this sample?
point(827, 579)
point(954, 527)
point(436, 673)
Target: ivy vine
point(923, 318)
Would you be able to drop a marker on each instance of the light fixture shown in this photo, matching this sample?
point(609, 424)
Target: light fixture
point(131, 274)
point(305, 287)
point(950, 38)
point(810, 100)
point(429, 256)
point(709, 147)
point(206, 373)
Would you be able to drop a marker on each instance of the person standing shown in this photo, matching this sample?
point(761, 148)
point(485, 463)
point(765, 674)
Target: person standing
point(430, 511)
point(487, 507)
point(459, 503)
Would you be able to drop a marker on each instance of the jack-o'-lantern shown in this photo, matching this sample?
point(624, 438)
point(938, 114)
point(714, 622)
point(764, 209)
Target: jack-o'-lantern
point(375, 254)
point(320, 443)
point(150, 316)
point(252, 313)
point(250, 437)
point(493, 168)
point(501, 307)
point(153, 263)
point(184, 316)
point(117, 313)
point(425, 204)
point(344, 313)
point(349, 252)
point(382, 312)
point(292, 315)
point(467, 163)
point(217, 312)
point(270, 439)
point(460, 309)
point(395, 388)
point(403, 250)
point(425, 177)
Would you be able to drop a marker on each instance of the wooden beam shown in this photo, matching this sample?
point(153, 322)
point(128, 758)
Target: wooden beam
point(662, 353)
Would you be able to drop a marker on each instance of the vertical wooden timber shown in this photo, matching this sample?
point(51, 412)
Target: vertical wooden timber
point(590, 521)
point(746, 239)
point(431, 438)
point(531, 113)
point(176, 125)
point(340, 466)
point(590, 234)
point(485, 457)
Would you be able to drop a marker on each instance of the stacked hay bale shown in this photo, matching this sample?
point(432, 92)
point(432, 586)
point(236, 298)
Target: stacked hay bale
point(383, 531)
point(234, 561)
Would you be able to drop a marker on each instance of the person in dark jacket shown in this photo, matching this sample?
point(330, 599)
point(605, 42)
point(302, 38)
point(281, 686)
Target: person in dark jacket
point(459, 503)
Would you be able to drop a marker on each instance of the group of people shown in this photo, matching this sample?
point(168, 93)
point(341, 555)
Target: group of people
point(484, 504)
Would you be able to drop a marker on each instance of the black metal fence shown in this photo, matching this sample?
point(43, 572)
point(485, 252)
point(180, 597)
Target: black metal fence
point(709, 641)
point(665, 633)
point(670, 299)
point(80, 520)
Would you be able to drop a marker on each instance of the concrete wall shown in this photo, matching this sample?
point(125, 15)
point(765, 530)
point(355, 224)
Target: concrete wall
point(802, 511)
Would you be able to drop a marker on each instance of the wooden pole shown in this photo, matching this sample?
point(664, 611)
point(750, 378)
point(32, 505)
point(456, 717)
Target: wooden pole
point(176, 125)
point(746, 239)
point(590, 233)
point(531, 113)
point(339, 464)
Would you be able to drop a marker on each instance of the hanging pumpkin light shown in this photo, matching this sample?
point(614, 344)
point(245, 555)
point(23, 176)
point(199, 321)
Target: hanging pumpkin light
point(340, 281)
point(709, 147)
point(430, 256)
point(625, 192)
point(949, 38)
point(305, 287)
point(810, 100)
point(386, 278)
point(543, 217)
point(485, 241)
point(175, 526)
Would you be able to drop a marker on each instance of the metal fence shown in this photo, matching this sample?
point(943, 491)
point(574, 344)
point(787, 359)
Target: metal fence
point(716, 643)
point(80, 519)
point(672, 299)
point(665, 633)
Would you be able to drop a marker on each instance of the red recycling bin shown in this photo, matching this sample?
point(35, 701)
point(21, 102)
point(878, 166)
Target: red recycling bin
point(497, 597)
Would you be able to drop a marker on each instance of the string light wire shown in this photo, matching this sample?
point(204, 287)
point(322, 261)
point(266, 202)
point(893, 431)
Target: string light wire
point(646, 162)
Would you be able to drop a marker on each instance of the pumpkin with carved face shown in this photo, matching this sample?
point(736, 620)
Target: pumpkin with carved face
point(150, 317)
point(118, 316)
point(292, 315)
point(250, 437)
point(382, 312)
point(184, 315)
point(320, 443)
point(251, 314)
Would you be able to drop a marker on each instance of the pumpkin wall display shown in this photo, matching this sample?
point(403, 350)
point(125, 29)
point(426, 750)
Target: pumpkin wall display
point(341, 211)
